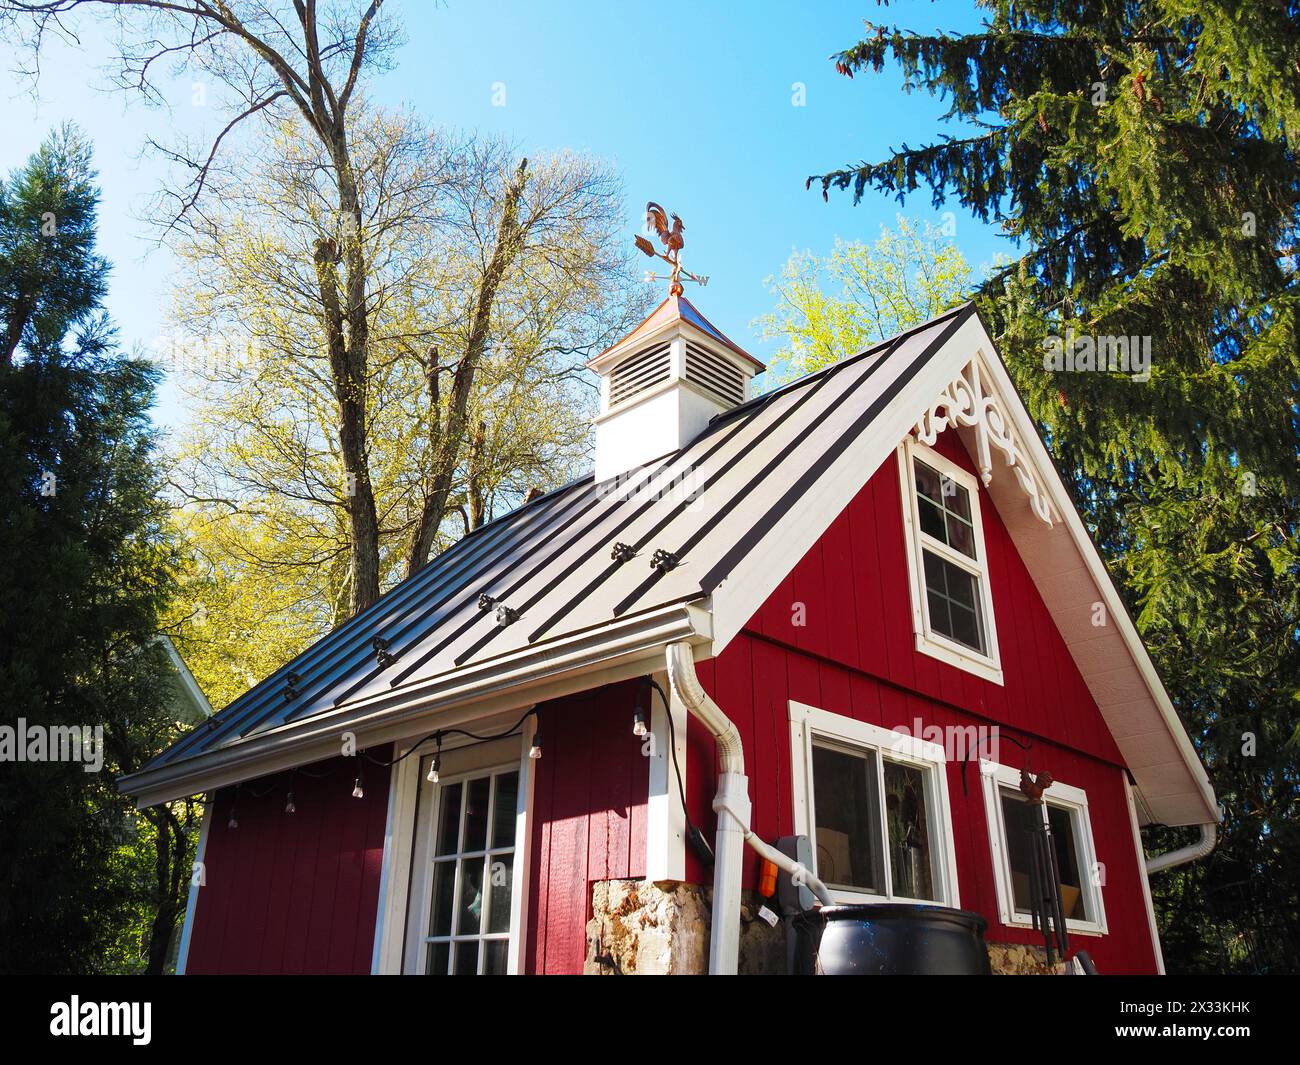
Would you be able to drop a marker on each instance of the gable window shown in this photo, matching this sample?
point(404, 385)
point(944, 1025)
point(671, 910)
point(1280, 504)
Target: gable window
point(874, 803)
point(1066, 810)
point(951, 605)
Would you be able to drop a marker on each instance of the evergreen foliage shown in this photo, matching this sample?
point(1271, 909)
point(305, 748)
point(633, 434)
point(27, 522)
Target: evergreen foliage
point(86, 566)
point(1142, 155)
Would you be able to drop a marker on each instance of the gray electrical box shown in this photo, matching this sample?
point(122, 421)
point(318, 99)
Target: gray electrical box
point(795, 899)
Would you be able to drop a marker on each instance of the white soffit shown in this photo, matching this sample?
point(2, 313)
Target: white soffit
point(1071, 577)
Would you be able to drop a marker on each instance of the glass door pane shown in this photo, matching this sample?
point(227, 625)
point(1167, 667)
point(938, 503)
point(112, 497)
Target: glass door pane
point(911, 863)
point(472, 875)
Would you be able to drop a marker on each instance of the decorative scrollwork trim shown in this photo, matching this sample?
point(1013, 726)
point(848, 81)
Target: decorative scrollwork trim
point(966, 403)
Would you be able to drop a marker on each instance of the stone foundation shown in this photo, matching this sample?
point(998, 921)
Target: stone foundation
point(1020, 959)
point(662, 928)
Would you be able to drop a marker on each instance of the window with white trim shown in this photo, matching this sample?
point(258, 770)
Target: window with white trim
point(463, 895)
point(468, 930)
point(951, 605)
point(874, 803)
point(1066, 808)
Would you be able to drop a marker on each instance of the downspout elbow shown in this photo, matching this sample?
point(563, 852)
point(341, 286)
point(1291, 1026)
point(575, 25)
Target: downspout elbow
point(1191, 853)
point(686, 686)
point(732, 799)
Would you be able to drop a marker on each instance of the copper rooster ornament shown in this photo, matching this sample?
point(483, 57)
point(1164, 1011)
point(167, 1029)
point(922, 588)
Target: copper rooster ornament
point(669, 229)
point(1032, 787)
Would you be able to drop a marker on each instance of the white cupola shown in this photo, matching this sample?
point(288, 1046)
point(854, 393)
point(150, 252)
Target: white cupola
point(660, 385)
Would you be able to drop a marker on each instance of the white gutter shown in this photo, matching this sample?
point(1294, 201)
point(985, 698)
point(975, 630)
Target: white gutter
point(545, 671)
point(731, 804)
point(1191, 853)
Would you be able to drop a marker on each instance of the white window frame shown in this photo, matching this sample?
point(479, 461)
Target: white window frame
point(408, 840)
point(929, 642)
point(809, 723)
point(994, 777)
point(417, 945)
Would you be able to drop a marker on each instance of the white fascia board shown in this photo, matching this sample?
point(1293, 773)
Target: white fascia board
point(628, 647)
point(1108, 594)
point(188, 684)
point(744, 590)
point(747, 587)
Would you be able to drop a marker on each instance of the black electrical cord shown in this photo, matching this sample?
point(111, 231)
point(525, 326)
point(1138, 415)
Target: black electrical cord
point(1002, 733)
point(672, 741)
point(694, 836)
point(252, 793)
point(514, 730)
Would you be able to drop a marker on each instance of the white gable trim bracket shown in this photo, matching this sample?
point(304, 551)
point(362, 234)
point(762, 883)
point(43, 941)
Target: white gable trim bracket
point(965, 402)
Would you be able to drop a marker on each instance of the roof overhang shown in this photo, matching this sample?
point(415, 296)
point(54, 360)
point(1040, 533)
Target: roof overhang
point(189, 687)
point(662, 320)
point(627, 647)
point(1062, 560)
point(1172, 785)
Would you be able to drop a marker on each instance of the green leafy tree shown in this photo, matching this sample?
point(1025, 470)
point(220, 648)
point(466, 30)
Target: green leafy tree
point(909, 275)
point(86, 567)
point(1142, 156)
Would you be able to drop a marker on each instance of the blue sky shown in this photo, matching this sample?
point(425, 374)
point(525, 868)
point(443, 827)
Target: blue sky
point(694, 102)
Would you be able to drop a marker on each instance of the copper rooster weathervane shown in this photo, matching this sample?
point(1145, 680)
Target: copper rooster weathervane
point(670, 236)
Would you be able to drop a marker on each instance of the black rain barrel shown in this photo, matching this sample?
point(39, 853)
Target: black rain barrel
point(894, 939)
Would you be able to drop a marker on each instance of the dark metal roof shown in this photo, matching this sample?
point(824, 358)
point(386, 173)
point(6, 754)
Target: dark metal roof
point(552, 568)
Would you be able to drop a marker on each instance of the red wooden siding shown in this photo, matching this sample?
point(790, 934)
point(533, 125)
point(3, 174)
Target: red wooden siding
point(856, 656)
point(588, 818)
point(293, 893)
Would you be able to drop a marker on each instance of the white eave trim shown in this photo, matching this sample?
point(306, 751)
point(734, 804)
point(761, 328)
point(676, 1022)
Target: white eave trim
point(188, 683)
point(1060, 497)
point(632, 646)
point(672, 326)
point(737, 597)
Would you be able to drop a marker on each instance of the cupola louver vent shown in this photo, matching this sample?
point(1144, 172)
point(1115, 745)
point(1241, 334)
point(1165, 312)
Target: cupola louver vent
point(660, 386)
point(643, 370)
point(715, 374)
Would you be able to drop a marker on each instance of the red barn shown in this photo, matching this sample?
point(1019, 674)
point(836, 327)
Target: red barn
point(852, 609)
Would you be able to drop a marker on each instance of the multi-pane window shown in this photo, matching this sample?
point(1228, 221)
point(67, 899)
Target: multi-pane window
point(952, 577)
point(949, 570)
point(468, 928)
point(875, 806)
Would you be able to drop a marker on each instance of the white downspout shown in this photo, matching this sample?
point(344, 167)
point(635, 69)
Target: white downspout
point(1191, 853)
point(731, 804)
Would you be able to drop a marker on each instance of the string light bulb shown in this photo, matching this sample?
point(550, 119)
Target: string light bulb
point(358, 789)
point(234, 821)
point(639, 726)
point(435, 764)
point(290, 807)
point(535, 748)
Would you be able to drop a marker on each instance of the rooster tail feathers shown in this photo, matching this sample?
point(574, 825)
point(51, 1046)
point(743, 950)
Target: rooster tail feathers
point(656, 218)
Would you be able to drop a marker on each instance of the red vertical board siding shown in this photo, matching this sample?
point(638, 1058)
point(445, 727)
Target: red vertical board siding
point(292, 893)
point(856, 655)
point(590, 795)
